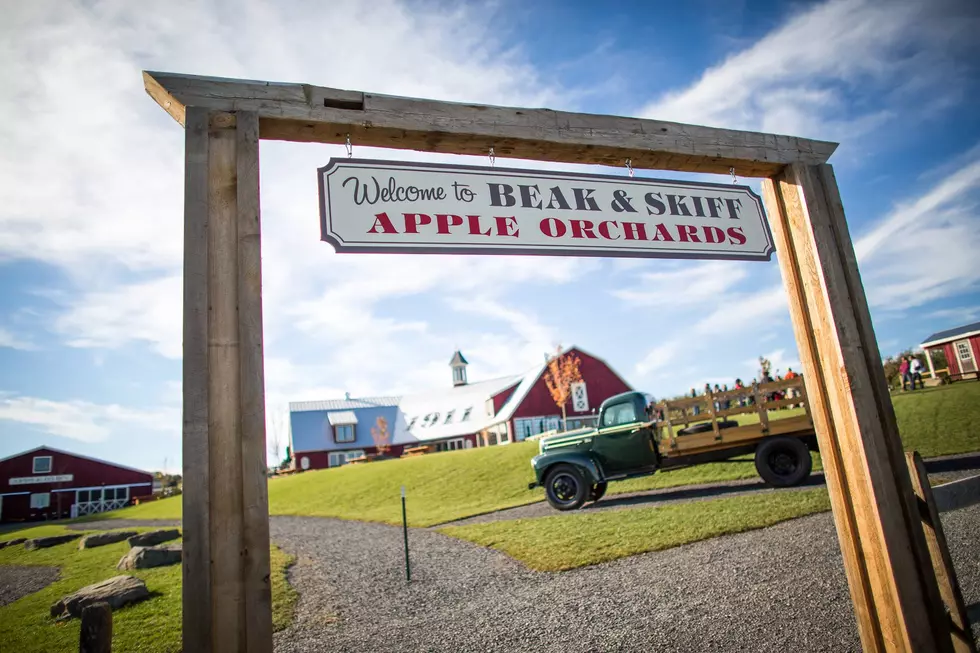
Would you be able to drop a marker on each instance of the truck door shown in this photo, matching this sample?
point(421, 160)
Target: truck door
point(623, 444)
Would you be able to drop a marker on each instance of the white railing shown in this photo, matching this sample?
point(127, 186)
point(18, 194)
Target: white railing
point(93, 507)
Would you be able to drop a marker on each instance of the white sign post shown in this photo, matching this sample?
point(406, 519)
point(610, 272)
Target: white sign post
point(392, 206)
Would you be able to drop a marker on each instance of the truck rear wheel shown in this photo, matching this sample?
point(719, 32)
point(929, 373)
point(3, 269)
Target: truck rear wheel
point(783, 462)
point(565, 487)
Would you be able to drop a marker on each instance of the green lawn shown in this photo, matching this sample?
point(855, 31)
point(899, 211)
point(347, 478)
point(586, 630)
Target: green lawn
point(447, 486)
point(152, 625)
point(579, 539)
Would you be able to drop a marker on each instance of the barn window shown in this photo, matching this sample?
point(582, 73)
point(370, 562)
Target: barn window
point(449, 416)
point(41, 500)
point(344, 432)
point(42, 464)
point(466, 414)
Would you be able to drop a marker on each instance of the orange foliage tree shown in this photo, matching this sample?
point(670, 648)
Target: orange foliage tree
point(562, 372)
point(380, 435)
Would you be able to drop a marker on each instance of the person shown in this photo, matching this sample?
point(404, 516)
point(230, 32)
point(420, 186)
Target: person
point(903, 371)
point(792, 392)
point(696, 409)
point(915, 373)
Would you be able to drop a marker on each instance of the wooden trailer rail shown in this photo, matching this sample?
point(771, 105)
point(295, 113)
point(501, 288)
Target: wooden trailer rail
point(757, 399)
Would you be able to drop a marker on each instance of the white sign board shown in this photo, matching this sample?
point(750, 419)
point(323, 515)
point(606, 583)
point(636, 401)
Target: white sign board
point(580, 398)
point(392, 206)
point(31, 480)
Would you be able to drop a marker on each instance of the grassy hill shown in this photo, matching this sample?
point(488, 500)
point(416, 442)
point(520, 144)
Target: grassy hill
point(446, 486)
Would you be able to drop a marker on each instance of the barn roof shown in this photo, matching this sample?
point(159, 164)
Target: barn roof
point(343, 404)
point(44, 447)
point(949, 334)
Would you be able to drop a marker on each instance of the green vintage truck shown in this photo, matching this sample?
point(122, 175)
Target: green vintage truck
point(636, 436)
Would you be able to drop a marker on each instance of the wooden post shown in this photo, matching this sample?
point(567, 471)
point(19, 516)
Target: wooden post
point(893, 587)
point(227, 594)
point(932, 369)
point(942, 563)
point(95, 635)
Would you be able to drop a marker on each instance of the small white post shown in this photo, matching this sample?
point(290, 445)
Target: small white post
point(932, 370)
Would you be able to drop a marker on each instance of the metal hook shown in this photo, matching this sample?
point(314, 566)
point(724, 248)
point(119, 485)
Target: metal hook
point(350, 148)
point(493, 157)
point(629, 166)
point(734, 178)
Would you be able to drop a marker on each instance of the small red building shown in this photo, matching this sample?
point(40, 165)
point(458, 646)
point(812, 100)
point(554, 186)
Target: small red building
point(47, 483)
point(962, 348)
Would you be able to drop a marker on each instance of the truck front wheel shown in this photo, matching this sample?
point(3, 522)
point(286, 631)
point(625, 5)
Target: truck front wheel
point(565, 487)
point(783, 462)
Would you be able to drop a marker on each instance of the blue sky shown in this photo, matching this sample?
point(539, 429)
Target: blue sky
point(91, 188)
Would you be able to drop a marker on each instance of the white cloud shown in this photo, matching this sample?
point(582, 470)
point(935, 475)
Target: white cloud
point(800, 77)
point(687, 283)
point(110, 213)
point(86, 421)
point(925, 248)
point(13, 341)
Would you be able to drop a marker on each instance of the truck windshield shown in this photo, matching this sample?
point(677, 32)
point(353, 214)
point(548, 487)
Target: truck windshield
point(619, 414)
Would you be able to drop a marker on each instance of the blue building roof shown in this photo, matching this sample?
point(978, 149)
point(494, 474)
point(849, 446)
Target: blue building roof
point(950, 334)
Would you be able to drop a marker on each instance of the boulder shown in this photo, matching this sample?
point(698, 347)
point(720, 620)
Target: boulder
point(117, 592)
point(154, 537)
point(145, 557)
point(101, 539)
point(19, 540)
point(54, 540)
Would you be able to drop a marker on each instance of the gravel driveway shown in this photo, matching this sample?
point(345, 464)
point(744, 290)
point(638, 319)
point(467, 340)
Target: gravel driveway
point(17, 581)
point(780, 588)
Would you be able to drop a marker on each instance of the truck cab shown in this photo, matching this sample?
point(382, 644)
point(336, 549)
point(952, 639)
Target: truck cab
point(575, 467)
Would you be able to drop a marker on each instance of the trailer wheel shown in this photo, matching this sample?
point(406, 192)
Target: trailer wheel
point(565, 487)
point(783, 462)
point(597, 491)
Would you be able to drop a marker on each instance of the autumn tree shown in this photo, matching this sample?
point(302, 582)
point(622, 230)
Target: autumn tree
point(765, 366)
point(561, 373)
point(380, 435)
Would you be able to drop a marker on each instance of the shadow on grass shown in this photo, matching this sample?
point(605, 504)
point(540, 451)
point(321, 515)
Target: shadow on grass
point(956, 463)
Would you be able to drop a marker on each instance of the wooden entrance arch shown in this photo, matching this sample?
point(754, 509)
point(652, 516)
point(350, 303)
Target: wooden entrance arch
point(227, 604)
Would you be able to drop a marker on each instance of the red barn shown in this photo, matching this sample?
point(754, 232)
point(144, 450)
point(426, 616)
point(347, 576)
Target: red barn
point(47, 483)
point(507, 409)
point(962, 348)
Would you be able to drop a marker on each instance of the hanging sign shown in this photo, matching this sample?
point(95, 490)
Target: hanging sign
point(394, 206)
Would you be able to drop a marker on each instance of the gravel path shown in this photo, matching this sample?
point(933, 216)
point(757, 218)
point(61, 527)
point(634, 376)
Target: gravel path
point(17, 581)
point(780, 588)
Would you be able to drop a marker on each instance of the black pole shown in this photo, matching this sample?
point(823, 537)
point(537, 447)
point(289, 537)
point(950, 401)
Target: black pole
point(408, 568)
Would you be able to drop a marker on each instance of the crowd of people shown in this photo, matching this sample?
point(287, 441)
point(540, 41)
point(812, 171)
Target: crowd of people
point(749, 399)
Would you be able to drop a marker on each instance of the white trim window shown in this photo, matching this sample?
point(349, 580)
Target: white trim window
point(344, 433)
point(525, 427)
point(455, 444)
point(40, 500)
point(42, 465)
point(338, 458)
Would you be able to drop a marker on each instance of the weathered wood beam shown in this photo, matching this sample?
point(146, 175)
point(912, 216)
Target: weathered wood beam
point(301, 112)
point(893, 587)
point(227, 592)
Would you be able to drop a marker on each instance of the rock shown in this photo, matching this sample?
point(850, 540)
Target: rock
point(19, 540)
point(54, 540)
point(145, 557)
point(101, 539)
point(154, 537)
point(117, 592)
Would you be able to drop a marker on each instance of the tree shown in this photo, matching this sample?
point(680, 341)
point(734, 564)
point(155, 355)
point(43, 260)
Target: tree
point(380, 435)
point(275, 436)
point(562, 371)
